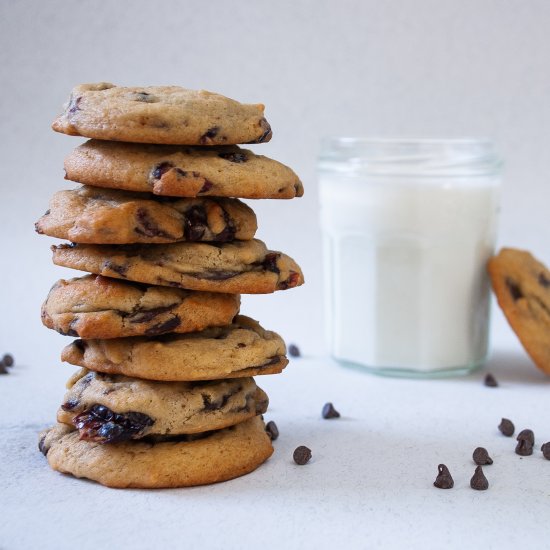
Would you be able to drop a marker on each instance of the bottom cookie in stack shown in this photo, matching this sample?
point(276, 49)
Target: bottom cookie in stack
point(126, 432)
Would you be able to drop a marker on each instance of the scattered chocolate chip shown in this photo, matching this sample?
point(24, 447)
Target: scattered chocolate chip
point(8, 360)
point(294, 350)
point(481, 456)
point(490, 381)
point(527, 435)
point(272, 430)
point(524, 448)
point(329, 411)
point(546, 450)
point(514, 289)
point(3, 369)
point(444, 480)
point(543, 280)
point(234, 157)
point(506, 427)
point(479, 481)
point(302, 455)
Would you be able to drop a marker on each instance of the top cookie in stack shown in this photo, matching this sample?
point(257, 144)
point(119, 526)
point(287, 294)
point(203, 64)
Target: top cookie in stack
point(159, 211)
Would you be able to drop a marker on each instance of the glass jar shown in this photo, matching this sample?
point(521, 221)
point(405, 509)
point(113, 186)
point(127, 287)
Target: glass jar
point(408, 226)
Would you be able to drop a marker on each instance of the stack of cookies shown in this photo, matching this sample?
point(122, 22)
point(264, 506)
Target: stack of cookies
point(165, 396)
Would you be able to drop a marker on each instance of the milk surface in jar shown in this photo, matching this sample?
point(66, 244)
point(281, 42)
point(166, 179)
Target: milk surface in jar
point(408, 227)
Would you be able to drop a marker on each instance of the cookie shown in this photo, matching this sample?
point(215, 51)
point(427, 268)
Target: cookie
point(179, 171)
point(160, 114)
point(240, 267)
point(522, 287)
point(241, 349)
point(99, 307)
point(106, 216)
point(113, 408)
point(217, 456)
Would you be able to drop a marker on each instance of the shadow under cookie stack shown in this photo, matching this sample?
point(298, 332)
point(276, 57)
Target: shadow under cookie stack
point(165, 396)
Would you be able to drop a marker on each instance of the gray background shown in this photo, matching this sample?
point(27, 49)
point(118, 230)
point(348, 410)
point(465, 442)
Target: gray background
point(401, 67)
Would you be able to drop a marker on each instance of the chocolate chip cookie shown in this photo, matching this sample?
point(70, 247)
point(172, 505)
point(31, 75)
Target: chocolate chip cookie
point(99, 307)
point(238, 350)
point(106, 216)
point(160, 114)
point(113, 408)
point(241, 267)
point(149, 464)
point(179, 171)
point(522, 287)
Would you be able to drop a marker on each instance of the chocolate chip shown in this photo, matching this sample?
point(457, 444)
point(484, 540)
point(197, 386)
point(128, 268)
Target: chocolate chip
point(42, 445)
point(144, 316)
point(74, 105)
point(506, 427)
point(209, 134)
point(101, 424)
point(160, 169)
point(444, 480)
point(272, 430)
point(8, 360)
point(543, 280)
point(266, 136)
point(195, 223)
point(490, 381)
point(479, 481)
point(168, 326)
point(3, 369)
point(294, 350)
point(206, 187)
point(69, 405)
point(524, 448)
point(514, 289)
point(481, 456)
point(546, 450)
point(270, 263)
point(301, 455)
point(526, 435)
point(120, 269)
point(234, 157)
point(329, 411)
point(81, 345)
point(147, 226)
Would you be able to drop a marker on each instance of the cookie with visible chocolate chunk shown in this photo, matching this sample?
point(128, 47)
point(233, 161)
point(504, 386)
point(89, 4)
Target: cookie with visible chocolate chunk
point(160, 114)
point(522, 287)
point(179, 461)
point(238, 350)
point(113, 408)
point(180, 171)
point(242, 267)
point(100, 307)
point(105, 216)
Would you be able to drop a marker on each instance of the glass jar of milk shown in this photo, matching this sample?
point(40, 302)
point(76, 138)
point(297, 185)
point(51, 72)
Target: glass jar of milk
point(408, 227)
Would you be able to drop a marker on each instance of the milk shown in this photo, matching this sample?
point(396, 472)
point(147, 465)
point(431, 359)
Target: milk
point(406, 284)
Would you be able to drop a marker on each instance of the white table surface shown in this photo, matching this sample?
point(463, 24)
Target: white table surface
point(369, 484)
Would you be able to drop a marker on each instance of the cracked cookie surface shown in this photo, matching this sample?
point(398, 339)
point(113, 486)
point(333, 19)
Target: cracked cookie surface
point(100, 307)
point(113, 408)
point(179, 171)
point(522, 287)
point(105, 216)
point(242, 267)
point(218, 456)
point(241, 349)
point(161, 114)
